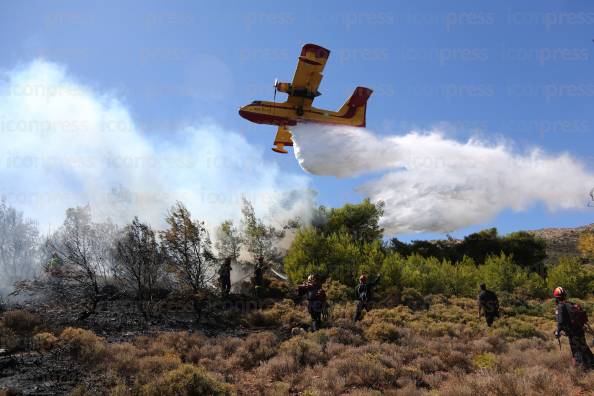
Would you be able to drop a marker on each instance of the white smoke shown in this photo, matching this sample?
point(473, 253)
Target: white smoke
point(432, 183)
point(64, 143)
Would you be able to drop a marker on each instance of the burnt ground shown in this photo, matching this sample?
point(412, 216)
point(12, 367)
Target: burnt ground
point(119, 320)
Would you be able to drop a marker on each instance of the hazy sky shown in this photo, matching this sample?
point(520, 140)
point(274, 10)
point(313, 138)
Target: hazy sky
point(505, 71)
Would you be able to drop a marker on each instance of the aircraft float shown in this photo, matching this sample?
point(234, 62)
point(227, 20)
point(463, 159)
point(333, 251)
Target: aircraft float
point(298, 106)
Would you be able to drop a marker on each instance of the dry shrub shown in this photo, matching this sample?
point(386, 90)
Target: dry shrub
point(485, 361)
point(514, 328)
point(457, 360)
point(430, 364)
point(256, 348)
point(343, 314)
point(284, 313)
point(43, 342)
point(304, 351)
point(339, 335)
point(150, 367)
point(359, 369)
point(336, 291)
point(84, 344)
point(176, 342)
point(385, 332)
point(278, 368)
point(10, 392)
point(21, 322)
point(124, 358)
point(186, 380)
point(399, 316)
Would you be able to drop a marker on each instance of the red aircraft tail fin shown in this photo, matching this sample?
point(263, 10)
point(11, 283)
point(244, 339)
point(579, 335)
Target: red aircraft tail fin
point(355, 106)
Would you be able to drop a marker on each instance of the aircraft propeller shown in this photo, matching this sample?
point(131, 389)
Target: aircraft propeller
point(275, 89)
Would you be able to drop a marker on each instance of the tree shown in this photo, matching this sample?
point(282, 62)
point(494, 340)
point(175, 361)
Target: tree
point(502, 273)
point(139, 261)
point(19, 246)
point(527, 250)
point(570, 274)
point(259, 239)
point(480, 245)
point(361, 221)
point(335, 256)
point(82, 249)
point(228, 241)
point(188, 249)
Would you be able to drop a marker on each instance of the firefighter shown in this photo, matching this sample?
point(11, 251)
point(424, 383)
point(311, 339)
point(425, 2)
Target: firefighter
point(488, 305)
point(316, 300)
point(572, 320)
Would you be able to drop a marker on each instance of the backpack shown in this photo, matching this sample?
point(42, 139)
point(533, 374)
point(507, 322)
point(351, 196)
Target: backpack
point(577, 316)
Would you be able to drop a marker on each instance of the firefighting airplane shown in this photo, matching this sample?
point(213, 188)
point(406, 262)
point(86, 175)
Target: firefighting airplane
point(302, 91)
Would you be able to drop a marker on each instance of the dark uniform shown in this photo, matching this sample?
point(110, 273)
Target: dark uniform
point(364, 293)
point(577, 337)
point(488, 305)
point(259, 274)
point(225, 277)
point(316, 301)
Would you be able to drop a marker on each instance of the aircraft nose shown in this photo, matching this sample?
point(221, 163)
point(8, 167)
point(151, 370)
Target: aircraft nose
point(243, 113)
point(248, 115)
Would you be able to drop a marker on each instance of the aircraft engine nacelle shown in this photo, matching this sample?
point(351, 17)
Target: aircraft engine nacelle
point(283, 87)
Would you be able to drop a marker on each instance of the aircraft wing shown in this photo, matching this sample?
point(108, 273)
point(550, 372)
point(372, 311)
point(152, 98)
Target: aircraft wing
point(308, 75)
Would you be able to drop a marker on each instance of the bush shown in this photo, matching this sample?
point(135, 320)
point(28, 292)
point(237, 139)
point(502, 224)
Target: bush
point(384, 332)
point(502, 274)
point(336, 291)
point(43, 342)
point(186, 380)
point(83, 344)
point(572, 276)
point(413, 299)
point(284, 313)
point(150, 367)
point(256, 348)
point(485, 360)
point(21, 322)
point(304, 351)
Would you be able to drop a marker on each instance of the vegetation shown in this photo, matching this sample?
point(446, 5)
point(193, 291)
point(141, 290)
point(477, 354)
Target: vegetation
point(421, 336)
point(442, 350)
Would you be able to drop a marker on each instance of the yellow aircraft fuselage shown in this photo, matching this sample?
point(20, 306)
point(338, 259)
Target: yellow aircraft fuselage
point(286, 114)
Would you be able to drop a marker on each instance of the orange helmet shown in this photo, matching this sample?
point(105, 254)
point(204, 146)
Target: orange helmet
point(363, 278)
point(559, 292)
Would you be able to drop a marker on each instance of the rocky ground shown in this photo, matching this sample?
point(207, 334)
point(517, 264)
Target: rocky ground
point(561, 241)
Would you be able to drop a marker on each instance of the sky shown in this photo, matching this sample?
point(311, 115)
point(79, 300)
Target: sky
point(175, 73)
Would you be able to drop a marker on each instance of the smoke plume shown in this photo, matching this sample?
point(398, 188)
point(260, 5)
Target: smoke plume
point(431, 183)
point(64, 143)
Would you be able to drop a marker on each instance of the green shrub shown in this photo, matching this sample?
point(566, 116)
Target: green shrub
point(570, 274)
point(502, 274)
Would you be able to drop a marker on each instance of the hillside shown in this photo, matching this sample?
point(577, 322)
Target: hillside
point(561, 241)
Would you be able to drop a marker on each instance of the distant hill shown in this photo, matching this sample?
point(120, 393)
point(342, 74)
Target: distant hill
point(561, 241)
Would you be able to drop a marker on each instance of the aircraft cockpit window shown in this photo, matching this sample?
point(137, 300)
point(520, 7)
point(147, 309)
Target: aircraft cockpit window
point(257, 102)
